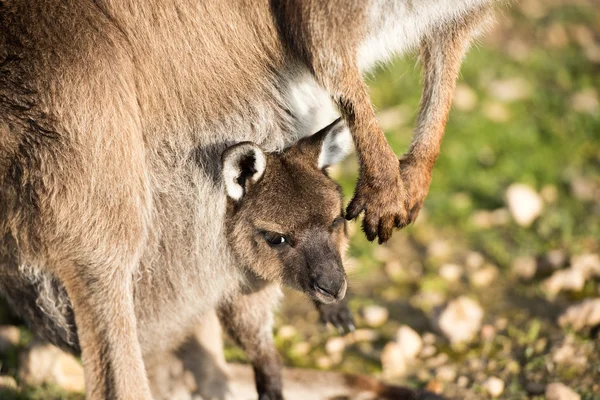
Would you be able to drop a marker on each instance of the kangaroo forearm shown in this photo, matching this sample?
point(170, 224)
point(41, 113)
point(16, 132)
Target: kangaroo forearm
point(441, 56)
point(372, 149)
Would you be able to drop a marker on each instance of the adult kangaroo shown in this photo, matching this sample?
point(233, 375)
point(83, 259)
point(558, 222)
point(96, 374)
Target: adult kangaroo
point(106, 109)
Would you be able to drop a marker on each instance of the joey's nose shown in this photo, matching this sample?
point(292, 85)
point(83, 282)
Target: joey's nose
point(329, 289)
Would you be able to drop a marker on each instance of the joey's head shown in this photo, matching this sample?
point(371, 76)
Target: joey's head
point(285, 214)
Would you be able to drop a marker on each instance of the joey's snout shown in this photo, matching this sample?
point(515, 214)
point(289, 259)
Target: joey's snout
point(327, 278)
point(329, 287)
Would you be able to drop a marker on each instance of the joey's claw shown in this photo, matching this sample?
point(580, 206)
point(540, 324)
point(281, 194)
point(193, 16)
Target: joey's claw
point(337, 315)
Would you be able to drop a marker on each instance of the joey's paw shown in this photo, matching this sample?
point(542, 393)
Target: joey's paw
point(391, 199)
point(337, 315)
point(271, 395)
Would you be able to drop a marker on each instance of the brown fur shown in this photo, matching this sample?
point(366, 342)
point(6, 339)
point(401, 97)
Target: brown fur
point(108, 107)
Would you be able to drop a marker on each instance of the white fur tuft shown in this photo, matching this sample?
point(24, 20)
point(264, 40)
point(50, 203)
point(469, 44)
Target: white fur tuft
point(232, 167)
point(336, 145)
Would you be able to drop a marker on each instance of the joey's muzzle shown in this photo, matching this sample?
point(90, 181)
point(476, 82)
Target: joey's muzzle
point(329, 285)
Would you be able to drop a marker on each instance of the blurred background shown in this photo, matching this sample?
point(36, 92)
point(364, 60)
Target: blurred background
point(495, 291)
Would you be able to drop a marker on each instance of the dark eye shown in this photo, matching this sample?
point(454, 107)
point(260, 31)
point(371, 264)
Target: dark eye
point(337, 222)
point(275, 239)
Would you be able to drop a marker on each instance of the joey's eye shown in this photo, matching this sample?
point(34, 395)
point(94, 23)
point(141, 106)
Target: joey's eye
point(337, 222)
point(275, 239)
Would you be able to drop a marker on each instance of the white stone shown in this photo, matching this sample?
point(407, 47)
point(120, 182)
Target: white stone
point(524, 267)
point(7, 382)
point(460, 320)
point(409, 341)
point(451, 272)
point(286, 332)
point(586, 101)
point(439, 249)
point(335, 345)
point(393, 360)
point(588, 264)
point(566, 353)
point(9, 337)
point(509, 90)
point(446, 373)
point(47, 364)
point(465, 98)
point(496, 111)
point(565, 279)
point(462, 381)
point(584, 314)
point(375, 316)
point(524, 203)
point(558, 391)
point(362, 335)
point(494, 386)
point(429, 350)
point(483, 277)
point(474, 260)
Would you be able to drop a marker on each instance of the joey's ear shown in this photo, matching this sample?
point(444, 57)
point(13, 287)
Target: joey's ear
point(242, 164)
point(335, 143)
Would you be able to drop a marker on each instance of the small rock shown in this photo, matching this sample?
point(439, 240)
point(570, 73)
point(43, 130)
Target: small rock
point(424, 375)
point(300, 349)
point(500, 217)
point(375, 316)
point(409, 341)
point(488, 332)
point(584, 189)
point(451, 272)
point(496, 111)
point(335, 345)
point(446, 373)
point(524, 204)
point(482, 219)
point(501, 323)
point(462, 381)
point(474, 260)
point(429, 338)
point(362, 335)
point(509, 90)
point(7, 383)
point(465, 98)
point(484, 277)
point(549, 193)
point(393, 360)
point(567, 354)
point(46, 364)
point(556, 258)
point(9, 337)
point(392, 118)
point(460, 320)
point(586, 101)
point(324, 362)
point(524, 267)
point(558, 391)
point(582, 315)
point(494, 386)
point(588, 264)
point(439, 249)
point(566, 279)
point(286, 332)
point(437, 361)
point(428, 351)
